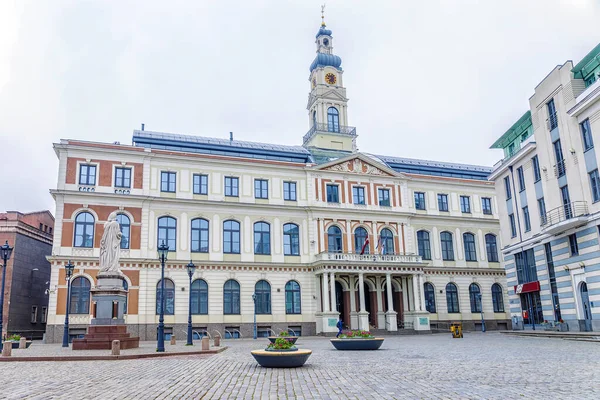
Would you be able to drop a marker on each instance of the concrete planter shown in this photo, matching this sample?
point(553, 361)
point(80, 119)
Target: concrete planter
point(281, 359)
point(357, 344)
point(15, 345)
point(292, 339)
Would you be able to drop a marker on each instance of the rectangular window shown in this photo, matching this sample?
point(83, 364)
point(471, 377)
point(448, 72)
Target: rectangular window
point(552, 119)
point(586, 134)
point(486, 205)
point(384, 197)
point(507, 188)
point(261, 189)
point(358, 194)
point(465, 204)
point(552, 279)
point(333, 194)
point(566, 199)
point(44, 314)
point(232, 186)
point(521, 179)
point(122, 177)
point(41, 227)
point(443, 202)
point(526, 219)
point(87, 174)
point(595, 185)
point(200, 184)
point(526, 269)
point(573, 245)
point(542, 210)
point(560, 161)
point(513, 227)
point(167, 181)
point(419, 200)
point(289, 191)
point(33, 314)
point(590, 80)
point(535, 163)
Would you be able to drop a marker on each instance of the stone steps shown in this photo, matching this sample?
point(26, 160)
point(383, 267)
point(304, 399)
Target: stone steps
point(587, 336)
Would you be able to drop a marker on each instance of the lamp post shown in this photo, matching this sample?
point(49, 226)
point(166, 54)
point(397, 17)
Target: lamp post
point(191, 268)
point(69, 273)
point(163, 250)
point(254, 300)
point(5, 252)
point(481, 308)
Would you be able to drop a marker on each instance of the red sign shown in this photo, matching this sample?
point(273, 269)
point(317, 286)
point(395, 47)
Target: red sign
point(527, 287)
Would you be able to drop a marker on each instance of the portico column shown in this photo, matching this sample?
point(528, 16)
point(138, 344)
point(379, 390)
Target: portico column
point(332, 293)
point(391, 318)
point(353, 314)
point(422, 292)
point(404, 294)
point(416, 296)
point(390, 299)
point(324, 296)
point(361, 292)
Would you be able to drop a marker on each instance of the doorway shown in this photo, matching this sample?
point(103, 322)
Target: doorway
point(587, 310)
point(531, 306)
point(340, 305)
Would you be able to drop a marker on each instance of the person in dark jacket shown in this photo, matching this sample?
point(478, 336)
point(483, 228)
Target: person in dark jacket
point(340, 326)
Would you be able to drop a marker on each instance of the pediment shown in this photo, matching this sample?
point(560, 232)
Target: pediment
point(329, 95)
point(358, 165)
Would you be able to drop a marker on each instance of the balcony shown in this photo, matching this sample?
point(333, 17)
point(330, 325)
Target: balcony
point(326, 128)
point(565, 217)
point(346, 258)
point(560, 168)
point(552, 122)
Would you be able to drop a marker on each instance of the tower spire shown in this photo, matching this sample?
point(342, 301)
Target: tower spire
point(323, 15)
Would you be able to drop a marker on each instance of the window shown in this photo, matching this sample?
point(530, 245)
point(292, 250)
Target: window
point(419, 200)
point(552, 279)
point(125, 225)
point(231, 297)
point(333, 194)
point(560, 161)
point(513, 226)
point(261, 189)
point(475, 297)
point(87, 174)
point(507, 188)
point(491, 247)
point(590, 80)
point(262, 238)
point(595, 185)
point(41, 227)
point(566, 198)
point(231, 237)
point(384, 197)
point(199, 238)
point(292, 298)
point(231, 186)
point(262, 290)
point(573, 245)
point(122, 177)
point(33, 314)
point(423, 245)
point(535, 162)
point(586, 134)
point(542, 210)
point(80, 296)
point(333, 120)
point(386, 244)
point(126, 288)
point(521, 177)
point(465, 204)
point(447, 249)
point(443, 202)
point(526, 268)
point(358, 194)
point(200, 184)
point(497, 298)
point(469, 245)
point(167, 232)
point(429, 297)
point(169, 297)
point(44, 314)
point(552, 119)
point(486, 205)
point(199, 294)
point(361, 238)
point(167, 181)
point(291, 240)
point(50, 230)
point(289, 191)
point(334, 239)
point(526, 219)
point(84, 230)
point(452, 298)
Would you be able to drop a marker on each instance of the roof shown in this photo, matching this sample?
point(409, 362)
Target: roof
point(587, 64)
point(436, 168)
point(513, 132)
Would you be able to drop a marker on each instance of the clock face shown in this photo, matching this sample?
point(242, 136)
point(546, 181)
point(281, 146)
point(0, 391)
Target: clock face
point(330, 78)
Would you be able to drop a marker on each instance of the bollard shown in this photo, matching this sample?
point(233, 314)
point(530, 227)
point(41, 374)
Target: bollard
point(205, 343)
point(23, 343)
point(7, 349)
point(217, 341)
point(173, 341)
point(116, 348)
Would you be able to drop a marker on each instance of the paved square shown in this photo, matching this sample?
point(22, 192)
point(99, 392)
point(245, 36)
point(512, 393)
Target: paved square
point(480, 366)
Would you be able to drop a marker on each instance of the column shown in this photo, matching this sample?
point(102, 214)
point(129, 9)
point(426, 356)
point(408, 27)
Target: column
point(319, 296)
point(332, 292)
point(416, 296)
point(324, 290)
point(390, 298)
point(361, 292)
point(410, 294)
point(380, 313)
point(353, 313)
point(404, 294)
point(422, 292)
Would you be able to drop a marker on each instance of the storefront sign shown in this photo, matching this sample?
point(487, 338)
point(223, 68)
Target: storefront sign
point(527, 287)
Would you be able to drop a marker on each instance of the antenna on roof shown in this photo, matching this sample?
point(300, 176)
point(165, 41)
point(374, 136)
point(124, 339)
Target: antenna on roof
point(142, 126)
point(231, 136)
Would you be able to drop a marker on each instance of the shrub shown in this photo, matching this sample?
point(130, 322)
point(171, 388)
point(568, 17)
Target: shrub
point(281, 344)
point(14, 338)
point(284, 333)
point(356, 334)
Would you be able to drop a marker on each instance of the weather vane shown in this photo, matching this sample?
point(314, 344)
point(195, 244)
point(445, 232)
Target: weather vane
point(323, 15)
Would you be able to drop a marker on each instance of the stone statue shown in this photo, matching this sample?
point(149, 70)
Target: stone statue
point(110, 247)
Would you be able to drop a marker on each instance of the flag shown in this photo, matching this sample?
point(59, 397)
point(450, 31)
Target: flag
point(379, 244)
point(362, 251)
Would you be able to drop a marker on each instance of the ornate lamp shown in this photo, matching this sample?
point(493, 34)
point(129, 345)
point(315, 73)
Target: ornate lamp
point(191, 268)
point(69, 267)
point(163, 251)
point(5, 252)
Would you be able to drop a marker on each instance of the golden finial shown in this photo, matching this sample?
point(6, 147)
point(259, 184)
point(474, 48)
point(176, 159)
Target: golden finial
point(323, 15)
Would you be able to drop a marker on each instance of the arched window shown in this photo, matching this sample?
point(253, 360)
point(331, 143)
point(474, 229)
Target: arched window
point(333, 119)
point(475, 297)
point(292, 298)
point(199, 236)
point(452, 298)
point(84, 230)
point(231, 237)
point(314, 117)
point(199, 293)
point(429, 297)
point(447, 249)
point(492, 249)
point(424, 245)
point(387, 241)
point(169, 297)
point(125, 287)
point(360, 239)
point(334, 239)
point(262, 289)
point(80, 296)
point(497, 298)
point(291, 240)
point(167, 232)
point(262, 238)
point(231, 297)
point(469, 244)
point(125, 225)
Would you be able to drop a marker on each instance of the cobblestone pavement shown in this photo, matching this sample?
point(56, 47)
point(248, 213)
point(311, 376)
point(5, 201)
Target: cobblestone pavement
point(480, 366)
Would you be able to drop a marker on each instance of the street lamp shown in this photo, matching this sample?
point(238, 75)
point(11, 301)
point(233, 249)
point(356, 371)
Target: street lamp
point(191, 268)
point(163, 251)
point(481, 308)
point(5, 252)
point(69, 273)
point(254, 300)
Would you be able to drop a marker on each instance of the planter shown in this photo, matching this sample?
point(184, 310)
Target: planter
point(292, 339)
point(281, 359)
point(15, 345)
point(357, 344)
point(284, 350)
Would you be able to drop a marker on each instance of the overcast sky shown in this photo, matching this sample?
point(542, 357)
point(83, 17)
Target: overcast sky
point(426, 79)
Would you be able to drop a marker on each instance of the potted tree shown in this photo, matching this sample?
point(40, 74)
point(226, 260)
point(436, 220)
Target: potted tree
point(281, 354)
point(357, 340)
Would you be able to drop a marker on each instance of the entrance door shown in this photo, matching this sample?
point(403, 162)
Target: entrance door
point(368, 305)
point(585, 302)
point(339, 303)
point(531, 306)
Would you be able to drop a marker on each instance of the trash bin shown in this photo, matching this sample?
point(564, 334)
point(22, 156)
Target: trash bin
point(456, 329)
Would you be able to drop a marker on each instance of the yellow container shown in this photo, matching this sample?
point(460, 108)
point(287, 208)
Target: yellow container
point(456, 329)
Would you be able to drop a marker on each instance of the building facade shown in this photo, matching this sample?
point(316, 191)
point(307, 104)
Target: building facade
point(27, 275)
point(316, 232)
point(548, 188)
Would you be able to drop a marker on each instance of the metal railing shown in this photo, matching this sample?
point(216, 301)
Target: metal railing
point(565, 212)
point(552, 121)
point(392, 258)
point(560, 168)
point(320, 127)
